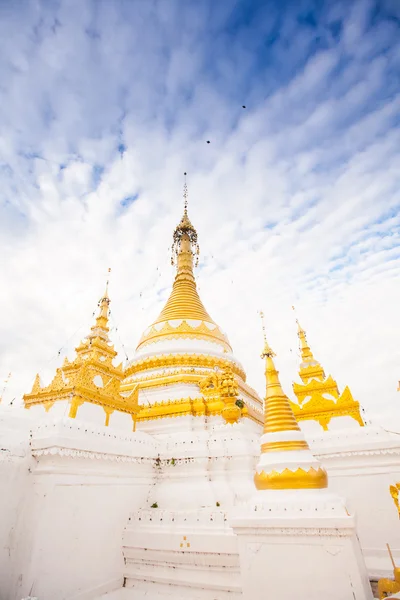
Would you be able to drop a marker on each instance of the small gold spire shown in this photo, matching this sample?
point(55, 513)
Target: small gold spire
point(278, 416)
point(104, 303)
point(298, 469)
point(267, 349)
point(310, 368)
point(306, 354)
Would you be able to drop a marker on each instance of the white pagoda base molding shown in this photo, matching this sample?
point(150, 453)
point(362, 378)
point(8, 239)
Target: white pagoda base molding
point(188, 555)
point(299, 544)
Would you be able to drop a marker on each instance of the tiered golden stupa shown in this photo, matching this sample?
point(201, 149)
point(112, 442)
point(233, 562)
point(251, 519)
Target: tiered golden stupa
point(178, 369)
point(318, 396)
point(286, 461)
point(90, 377)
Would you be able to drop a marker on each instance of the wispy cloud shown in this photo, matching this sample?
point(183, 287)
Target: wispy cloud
point(295, 198)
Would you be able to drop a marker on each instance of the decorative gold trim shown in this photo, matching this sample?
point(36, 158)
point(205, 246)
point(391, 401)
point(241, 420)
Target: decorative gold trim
point(284, 446)
point(185, 406)
point(184, 329)
point(292, 480)
point(179, 360)
point(315, 385)
point(322, 409)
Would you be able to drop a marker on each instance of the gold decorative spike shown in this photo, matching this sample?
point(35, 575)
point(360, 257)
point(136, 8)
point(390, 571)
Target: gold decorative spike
point(282, 434)
point(389, 586)
point(394, 492)
point(318, 396)
point(90, 377)
point(36, 385)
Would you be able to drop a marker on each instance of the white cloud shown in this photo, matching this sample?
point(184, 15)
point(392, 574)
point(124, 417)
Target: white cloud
point(295, 199)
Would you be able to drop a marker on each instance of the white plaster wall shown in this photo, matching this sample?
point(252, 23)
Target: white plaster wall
point(169, 392)
point(37, 411)
point(180, 344)
point(79, 504)
point(311, 428)
point(367, 493)
point(299, 544)
point(60, 409)
point(121, 421)
point(15, 482)
point(208, 467)
point(338, 423)
point(362, 463)
point(91, 413)
point(16, 485)
point(300, 567)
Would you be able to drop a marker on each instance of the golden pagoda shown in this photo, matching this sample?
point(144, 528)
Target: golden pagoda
point(180, 358)
point(286, 461)
point(318, 396)
point(90, 377)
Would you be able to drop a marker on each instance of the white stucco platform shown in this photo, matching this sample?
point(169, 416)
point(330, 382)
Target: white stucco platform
point(70, 489)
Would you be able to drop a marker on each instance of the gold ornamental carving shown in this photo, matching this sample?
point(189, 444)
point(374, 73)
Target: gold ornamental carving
point(318, 396)
point(90, 377)
point(288, 480)
point(165, 361)
point(185, 330)
point(394, 492)
point(386, 587)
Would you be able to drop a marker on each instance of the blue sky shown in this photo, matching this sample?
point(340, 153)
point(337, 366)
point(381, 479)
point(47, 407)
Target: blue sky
point(104, 105)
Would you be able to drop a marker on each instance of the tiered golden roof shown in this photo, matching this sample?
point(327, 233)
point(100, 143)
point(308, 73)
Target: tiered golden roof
point(90, 377)
point(318, 396)
point(283, 437)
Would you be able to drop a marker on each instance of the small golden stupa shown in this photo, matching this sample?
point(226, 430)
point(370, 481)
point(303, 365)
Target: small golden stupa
point(286, 461)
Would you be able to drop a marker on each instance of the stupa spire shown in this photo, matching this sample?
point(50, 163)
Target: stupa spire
point(286, 461)
point(102, 317)
point(306, 354)
point(184, 301)
point(184, 313)
point(278, 416)
point(185, 247)
point(310, 368)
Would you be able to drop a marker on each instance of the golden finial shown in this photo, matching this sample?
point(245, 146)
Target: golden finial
point(185, 235)
point(306, 354)
point(185, 195)
point(267, 352)
point(102, 318)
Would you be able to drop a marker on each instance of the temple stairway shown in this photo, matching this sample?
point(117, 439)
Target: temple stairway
point(179, 555)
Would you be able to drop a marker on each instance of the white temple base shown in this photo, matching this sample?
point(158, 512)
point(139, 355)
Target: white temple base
point(188, 555)
point(299, 544)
